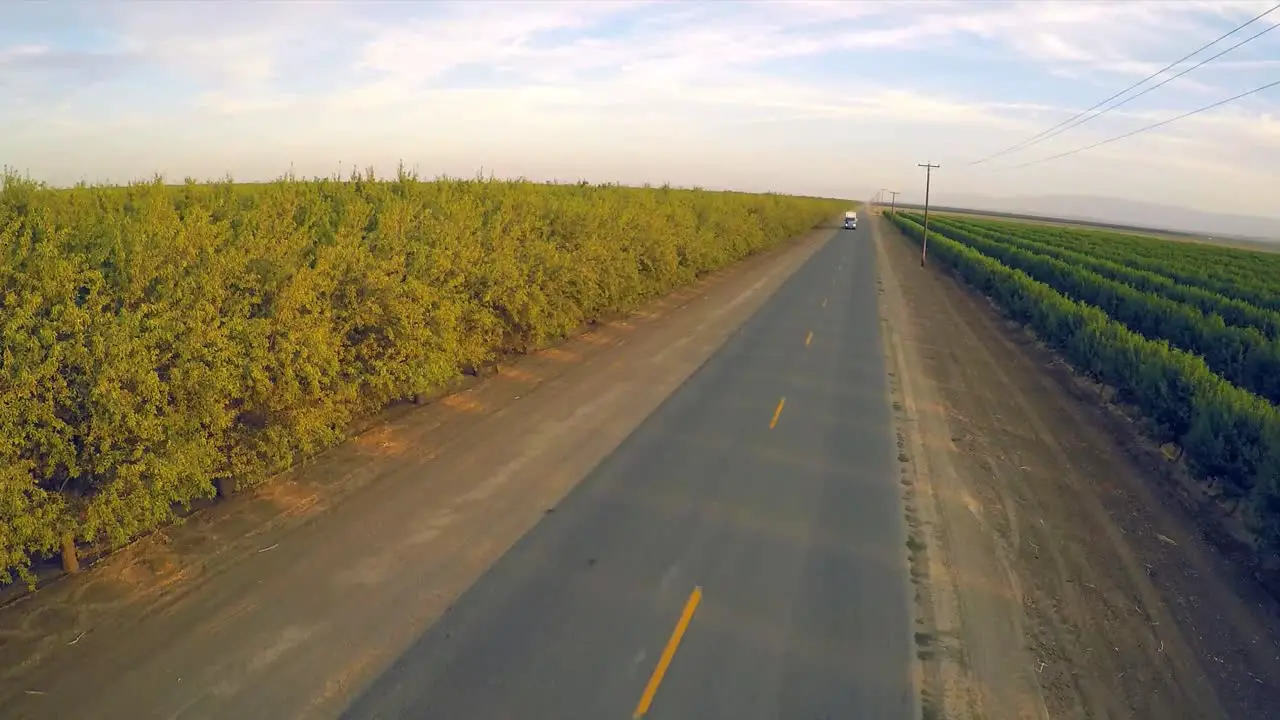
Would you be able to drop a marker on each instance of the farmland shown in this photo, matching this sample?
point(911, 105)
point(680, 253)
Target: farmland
point(1185, 335)
point(165, 343)
point(1164, 231)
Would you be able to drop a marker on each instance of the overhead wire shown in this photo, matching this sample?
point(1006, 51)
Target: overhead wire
point(1153, 126)
point(1167, 80)
point(1042, 134)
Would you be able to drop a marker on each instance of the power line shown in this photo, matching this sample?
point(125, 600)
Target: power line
point(1166, 68)
point(1153, 126)
point(1161, 83)
point(1050, 132)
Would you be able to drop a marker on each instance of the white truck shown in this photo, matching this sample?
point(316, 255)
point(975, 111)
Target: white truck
point(850, 220)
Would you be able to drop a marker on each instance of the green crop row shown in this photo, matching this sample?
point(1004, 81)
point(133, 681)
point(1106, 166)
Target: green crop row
point(1232, 266)
point(1243, 356)
point(1227, 433)
point(1206, 263)
point(1245, 275)
point(160, 340)
point(1114, 267)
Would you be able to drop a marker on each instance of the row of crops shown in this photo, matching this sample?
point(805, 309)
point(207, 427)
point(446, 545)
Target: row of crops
point(157, 340)
point(1187, 333)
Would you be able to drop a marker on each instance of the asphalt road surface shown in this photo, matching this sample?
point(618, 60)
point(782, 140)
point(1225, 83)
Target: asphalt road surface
point(740, 555)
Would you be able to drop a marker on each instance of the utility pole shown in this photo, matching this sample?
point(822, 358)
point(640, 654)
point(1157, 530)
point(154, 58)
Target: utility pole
point(928, 175)
point(893, 204)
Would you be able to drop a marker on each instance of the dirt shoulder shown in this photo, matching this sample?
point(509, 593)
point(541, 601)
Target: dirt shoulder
point(1057, 574)
point(287, 600)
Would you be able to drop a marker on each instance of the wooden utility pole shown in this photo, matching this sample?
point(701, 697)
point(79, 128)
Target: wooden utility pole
point(928, 175)
point(893, 204)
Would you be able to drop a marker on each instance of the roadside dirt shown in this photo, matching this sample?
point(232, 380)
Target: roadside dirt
point(1057, 573)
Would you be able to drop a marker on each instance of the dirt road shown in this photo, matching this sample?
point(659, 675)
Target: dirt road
point(1054, 576)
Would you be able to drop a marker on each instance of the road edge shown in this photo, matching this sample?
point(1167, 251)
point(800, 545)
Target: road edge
point(939, 674)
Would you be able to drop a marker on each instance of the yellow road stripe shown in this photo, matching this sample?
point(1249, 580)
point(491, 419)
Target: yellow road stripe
point(824, 302)
point(776, 413)
point(808, 338)
point(669, 652)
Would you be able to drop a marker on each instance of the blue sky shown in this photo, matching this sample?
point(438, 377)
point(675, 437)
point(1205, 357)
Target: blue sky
point(831, 97)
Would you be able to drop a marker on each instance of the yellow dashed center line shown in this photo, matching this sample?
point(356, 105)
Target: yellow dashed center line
point(776, 413)
point(808, 338)
point(667, 653)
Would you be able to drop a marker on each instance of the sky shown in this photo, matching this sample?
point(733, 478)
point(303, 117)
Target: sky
point(837, 98)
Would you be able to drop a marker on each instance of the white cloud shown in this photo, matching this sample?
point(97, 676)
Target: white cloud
point(491, 33)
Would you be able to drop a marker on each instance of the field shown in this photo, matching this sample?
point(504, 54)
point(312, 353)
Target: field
point(1233, 241)
point(1182, 335)
point(1065, 565)
point(166, 344)
point(1044, 220)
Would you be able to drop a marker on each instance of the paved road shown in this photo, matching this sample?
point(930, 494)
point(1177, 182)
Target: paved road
point(765, 489)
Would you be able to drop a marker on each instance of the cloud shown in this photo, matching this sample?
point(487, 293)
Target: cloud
point(491, 33)
point(39, 73)
point(756, 94)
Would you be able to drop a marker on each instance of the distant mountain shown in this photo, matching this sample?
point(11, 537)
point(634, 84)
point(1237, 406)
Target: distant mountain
point(1124, 212)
